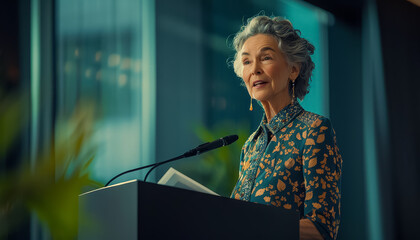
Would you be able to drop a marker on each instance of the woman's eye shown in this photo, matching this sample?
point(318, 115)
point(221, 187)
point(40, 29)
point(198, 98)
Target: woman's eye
point(267, 58)
point(245, 62)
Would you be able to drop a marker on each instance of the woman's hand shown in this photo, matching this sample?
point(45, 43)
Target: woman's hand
point(308, 230)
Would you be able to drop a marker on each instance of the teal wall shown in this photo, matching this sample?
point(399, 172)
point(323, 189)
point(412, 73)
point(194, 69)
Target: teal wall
point(313, 23)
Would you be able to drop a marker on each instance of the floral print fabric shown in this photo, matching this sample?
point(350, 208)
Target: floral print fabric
point(294, 162)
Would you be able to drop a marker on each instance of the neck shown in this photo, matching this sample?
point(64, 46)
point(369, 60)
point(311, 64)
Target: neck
point(272, 108)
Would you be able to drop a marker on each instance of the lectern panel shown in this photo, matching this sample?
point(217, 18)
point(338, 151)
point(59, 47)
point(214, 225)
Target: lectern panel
point(139, 210)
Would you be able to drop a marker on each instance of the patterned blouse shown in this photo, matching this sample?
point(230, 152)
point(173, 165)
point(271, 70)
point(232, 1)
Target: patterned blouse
point(294, 162)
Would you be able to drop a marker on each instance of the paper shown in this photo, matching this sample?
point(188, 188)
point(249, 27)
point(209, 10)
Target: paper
point(176, 179)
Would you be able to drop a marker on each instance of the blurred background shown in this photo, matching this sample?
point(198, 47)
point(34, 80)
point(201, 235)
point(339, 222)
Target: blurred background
point(91, 88)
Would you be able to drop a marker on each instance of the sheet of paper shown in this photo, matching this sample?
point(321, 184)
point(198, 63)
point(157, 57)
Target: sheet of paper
point(176, 179)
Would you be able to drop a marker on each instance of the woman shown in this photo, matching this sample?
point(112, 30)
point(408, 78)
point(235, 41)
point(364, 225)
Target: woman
point(292, 160)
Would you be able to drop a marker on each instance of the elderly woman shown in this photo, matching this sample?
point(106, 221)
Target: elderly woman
point(292, 159)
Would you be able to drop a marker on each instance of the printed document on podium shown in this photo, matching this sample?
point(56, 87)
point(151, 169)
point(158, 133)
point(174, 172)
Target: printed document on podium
point(176, 179)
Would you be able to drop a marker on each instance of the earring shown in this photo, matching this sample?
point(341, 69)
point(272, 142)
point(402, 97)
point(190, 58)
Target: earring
point(250, 106)
point(293, 92)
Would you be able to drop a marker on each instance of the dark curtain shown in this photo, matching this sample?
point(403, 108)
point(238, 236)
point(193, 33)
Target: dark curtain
point(399, 23)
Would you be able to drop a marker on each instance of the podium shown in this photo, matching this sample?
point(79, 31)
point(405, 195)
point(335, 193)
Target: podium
point(141, 210)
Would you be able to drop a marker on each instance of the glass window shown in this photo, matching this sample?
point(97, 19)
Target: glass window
point(105, 55)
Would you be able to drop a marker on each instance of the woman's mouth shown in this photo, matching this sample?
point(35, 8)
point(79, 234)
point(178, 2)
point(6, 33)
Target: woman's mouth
point(258, 84)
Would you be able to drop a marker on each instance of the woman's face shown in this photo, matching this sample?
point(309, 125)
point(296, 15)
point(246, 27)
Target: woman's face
point(266, 72)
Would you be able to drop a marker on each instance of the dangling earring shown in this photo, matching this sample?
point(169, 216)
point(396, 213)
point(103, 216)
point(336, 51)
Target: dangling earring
point(293, 91)
point(250, 106)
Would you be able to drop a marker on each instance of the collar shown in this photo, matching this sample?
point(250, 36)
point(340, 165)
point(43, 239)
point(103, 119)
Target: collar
point(282, 119)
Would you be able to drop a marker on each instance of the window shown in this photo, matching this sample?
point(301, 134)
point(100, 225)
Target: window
point(105, 55)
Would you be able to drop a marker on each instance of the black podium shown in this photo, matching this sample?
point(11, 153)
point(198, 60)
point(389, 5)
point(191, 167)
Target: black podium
point(140, 210)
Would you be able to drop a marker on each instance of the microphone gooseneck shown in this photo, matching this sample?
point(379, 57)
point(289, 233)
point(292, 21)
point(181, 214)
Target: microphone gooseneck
point(195, 151)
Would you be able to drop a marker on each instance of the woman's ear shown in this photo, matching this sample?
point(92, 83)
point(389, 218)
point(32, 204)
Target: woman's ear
point(294, 71)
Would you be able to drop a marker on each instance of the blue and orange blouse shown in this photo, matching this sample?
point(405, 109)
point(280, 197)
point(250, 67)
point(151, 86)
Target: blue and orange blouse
point(294, 162)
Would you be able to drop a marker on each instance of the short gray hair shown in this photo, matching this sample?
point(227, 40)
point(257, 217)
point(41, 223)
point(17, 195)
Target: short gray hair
point(296, 49)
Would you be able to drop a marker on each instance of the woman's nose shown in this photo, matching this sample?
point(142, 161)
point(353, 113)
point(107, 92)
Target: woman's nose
point(256, 69)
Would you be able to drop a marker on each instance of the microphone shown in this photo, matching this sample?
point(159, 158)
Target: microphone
point(205, 147)
point(211, 145)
